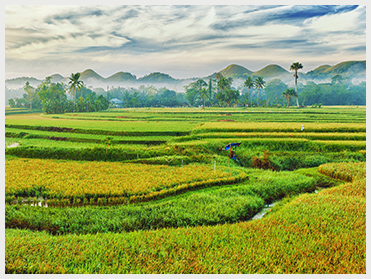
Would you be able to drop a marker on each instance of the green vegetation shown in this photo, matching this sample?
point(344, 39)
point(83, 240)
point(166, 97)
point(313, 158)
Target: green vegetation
point(302, 236)
point(52, 99)
point(166, 197)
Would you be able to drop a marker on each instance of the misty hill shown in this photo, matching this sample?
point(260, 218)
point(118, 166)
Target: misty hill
point(319, 70)
point(21, 81)
point(350, 69)
point(235, 71)
point(57, 78)
point(157, 78)
point(121, 76)
point(271, 71)
point(90, 74)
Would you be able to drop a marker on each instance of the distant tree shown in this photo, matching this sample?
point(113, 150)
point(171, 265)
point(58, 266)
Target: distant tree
point(102, 103)
point(259, 84)
point(134, 99)
point(168, 98)
point(273, 90)
point(30, 93)
point(191, 95)
point(75, 83)
point(52, 96)
point(249, 83)
point(11, 103)
point(295, 67)
point(218, 76)
point(288, 94)
point(194, 89)
point(224, 84)
point(210, 90)
point(204, 95)
point(126, 98)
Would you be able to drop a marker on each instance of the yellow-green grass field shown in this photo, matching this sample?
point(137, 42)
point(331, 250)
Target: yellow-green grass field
point(320, 233)
point(152, 190)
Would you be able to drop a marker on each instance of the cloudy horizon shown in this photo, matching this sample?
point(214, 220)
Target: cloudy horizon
point(182, 41)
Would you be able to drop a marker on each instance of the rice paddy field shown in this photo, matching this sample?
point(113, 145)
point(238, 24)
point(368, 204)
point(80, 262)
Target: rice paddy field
point(153, 191)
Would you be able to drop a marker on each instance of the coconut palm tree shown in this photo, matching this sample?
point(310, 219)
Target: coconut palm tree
point(288, 94)
point(30, 92)
point(259, 84)
point(295, 67)
point(218, 76)
point(75, 83)
point(249, 83)
point(204, 95)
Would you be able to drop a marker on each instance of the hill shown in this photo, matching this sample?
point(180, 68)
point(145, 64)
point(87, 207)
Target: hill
point(90, 74)
point(271, 71)
point(21, 81)
point(121, 76)
point(319, 70)
point(235, 71)
point(57, 78)
point(157, 77)
point(349, 68)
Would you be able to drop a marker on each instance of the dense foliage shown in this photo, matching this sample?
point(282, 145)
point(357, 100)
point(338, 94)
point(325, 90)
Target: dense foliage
point(52, 98)
point(215, 90)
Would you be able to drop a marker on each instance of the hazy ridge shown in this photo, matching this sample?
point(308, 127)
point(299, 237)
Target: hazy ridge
point(355, 70)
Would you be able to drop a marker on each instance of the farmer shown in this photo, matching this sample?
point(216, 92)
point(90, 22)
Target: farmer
point(302, 127)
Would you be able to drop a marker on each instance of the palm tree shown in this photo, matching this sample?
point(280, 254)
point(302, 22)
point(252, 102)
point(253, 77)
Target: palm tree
point(30, 92)
point(259, 84)
point(229, 81)
point(295, 67)
point(204, 95)
point(288, 94)
point(223, 84)
point(210, 89)
point(75, 83)
point(218, 76)
point(200, 83)
point(249, 83)
point(200, 86)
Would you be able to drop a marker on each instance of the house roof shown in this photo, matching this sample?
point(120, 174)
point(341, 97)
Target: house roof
point(116, 101)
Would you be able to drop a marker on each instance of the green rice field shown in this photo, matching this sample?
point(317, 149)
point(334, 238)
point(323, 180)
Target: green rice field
point(153, 191)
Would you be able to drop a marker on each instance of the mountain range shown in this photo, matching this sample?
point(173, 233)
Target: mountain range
point(349, 69)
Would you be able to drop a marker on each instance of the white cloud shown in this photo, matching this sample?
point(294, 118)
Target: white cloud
point(348, 21)
point(197, 39)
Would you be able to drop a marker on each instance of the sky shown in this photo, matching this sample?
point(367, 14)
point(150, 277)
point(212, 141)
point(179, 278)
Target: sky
point(183, 40)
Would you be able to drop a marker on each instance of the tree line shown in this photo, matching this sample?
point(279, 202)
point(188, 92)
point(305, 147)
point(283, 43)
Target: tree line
point(223, 94)
point(257, 92)
point(216, 91)
point(52, 97)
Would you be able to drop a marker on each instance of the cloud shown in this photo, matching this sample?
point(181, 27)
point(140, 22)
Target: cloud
point(346, 19)
point(361, 49)
point(180, 37)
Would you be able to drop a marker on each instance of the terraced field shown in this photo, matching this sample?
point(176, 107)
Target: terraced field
point(154, 191)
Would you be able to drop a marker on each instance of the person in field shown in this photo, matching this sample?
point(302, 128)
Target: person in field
point(302, 127)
